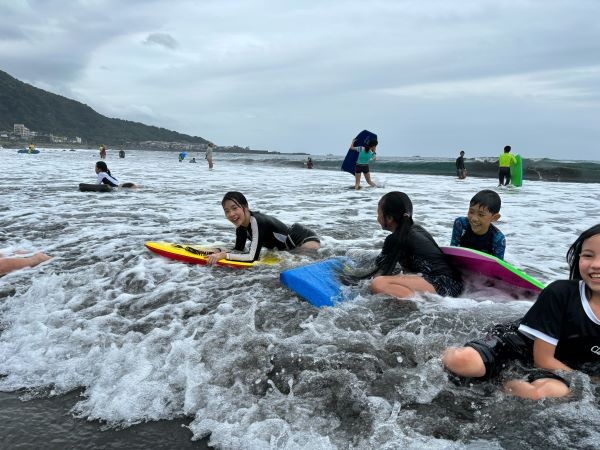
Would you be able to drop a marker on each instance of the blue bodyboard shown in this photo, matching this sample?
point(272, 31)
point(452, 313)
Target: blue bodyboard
point(317, 283)
point(350, 161)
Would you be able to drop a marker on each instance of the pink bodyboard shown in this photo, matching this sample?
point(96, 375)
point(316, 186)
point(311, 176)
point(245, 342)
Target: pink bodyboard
point(473, 261)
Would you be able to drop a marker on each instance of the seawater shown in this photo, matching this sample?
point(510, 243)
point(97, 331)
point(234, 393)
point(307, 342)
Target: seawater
point(236, 354)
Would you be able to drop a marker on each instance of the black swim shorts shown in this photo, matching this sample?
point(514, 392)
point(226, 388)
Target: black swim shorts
point(361, 168)
point(298, 235)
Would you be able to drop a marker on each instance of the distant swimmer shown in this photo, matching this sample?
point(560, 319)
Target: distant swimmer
point(193, 160)
point(262, 231)
point(121, 153)
point(105, 177)
point(461, 171)
point(31, 148)
point(103, 152)
point(309, 163)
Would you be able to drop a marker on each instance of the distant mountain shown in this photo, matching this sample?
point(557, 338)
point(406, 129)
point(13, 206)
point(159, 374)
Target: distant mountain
point(47, 113)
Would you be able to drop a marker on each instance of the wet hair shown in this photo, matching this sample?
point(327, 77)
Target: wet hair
point(488, 199)
point(103, 167)
point(575, 250)
point(462, 152)
point(507, 149)
point(236, 197)
point(370, 143)
point(398, 206)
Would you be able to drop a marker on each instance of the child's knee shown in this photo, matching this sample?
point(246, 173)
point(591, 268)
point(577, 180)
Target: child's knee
point(378, 285)
point(461, 359)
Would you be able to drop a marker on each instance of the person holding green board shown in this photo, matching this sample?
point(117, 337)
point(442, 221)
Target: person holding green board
point(505, 160)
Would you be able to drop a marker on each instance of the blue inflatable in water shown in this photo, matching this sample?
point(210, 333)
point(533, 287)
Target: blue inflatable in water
point(317, 283)
point(352, 156)
point(182, 156)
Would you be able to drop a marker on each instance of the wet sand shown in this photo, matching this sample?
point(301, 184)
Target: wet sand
point(47, 423)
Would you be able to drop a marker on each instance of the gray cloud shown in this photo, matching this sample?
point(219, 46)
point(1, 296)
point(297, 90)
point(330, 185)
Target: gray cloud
point(429, 76)
point(162, 39)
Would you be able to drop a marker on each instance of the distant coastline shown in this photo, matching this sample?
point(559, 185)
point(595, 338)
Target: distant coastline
point(168, 146)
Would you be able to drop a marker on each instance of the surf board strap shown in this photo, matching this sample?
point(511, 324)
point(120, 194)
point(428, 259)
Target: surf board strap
point(196, 251)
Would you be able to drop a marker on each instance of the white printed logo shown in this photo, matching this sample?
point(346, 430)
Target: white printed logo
point(596, 349)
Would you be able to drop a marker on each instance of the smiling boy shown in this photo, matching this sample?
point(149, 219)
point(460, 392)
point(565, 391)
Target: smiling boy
point(476, 231)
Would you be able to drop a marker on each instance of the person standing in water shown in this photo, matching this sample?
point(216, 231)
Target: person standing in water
point(209, 155)
point(102, 152)
point(366, 153)
point(461, 172)
point(505, 160)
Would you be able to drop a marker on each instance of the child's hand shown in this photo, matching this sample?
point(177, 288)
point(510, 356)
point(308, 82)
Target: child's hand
point(212, 259)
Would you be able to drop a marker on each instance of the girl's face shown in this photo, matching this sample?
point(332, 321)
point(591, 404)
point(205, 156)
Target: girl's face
point(589, 264)
point(236, 214)
point(387, 223)
point(97, 169)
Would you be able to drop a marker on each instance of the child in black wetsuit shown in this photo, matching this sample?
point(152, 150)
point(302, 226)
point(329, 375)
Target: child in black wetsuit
point(560, 333)
point(262, 231)
point(424, 265)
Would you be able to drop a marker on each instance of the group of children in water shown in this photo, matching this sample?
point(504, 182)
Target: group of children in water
point(560, 333)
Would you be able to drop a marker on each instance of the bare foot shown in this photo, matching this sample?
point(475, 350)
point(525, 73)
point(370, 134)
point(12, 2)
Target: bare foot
point(39, 258)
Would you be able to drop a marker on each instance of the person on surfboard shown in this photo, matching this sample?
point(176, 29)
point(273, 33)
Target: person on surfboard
point(261, 230)
point(535, 357)
point(476, 231)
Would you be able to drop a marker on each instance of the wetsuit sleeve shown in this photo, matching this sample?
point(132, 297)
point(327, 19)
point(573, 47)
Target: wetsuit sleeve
point(499, 245)
point(457, 231)
point(544, 318)
point(240, 239)
point(384, 260)
point(255, 246)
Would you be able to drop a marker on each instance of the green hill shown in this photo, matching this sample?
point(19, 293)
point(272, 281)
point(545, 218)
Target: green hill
point(47, 113)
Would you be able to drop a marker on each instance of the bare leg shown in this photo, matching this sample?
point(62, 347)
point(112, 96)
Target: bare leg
point(357, 180)
point(464, 362)
point(308, 248)
point(368, 178)
point(542, 388)
point(9, 264)
point(400, 286)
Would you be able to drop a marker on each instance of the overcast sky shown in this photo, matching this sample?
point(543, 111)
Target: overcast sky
point(430, 77)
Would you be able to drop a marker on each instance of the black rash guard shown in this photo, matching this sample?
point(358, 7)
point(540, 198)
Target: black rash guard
point(421, 254)
point(562, 316)
point(263, 231)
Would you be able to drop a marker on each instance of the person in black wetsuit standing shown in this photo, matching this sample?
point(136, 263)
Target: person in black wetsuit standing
point(461, 171)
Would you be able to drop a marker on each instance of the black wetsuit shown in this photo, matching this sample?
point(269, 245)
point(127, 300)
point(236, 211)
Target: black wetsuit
point(269, 232)
point(561, 316)
point(422, 255)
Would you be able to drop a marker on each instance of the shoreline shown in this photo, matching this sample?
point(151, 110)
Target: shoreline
point(48, 423)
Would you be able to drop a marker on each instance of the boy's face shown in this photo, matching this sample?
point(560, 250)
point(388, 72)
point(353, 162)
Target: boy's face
point(480, 218)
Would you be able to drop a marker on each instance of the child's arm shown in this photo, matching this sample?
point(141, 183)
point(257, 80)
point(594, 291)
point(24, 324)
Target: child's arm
point(457, 232)
point(543, 356)
point(499, 246)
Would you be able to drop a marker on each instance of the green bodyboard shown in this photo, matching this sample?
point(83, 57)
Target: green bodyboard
point(516, 172)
